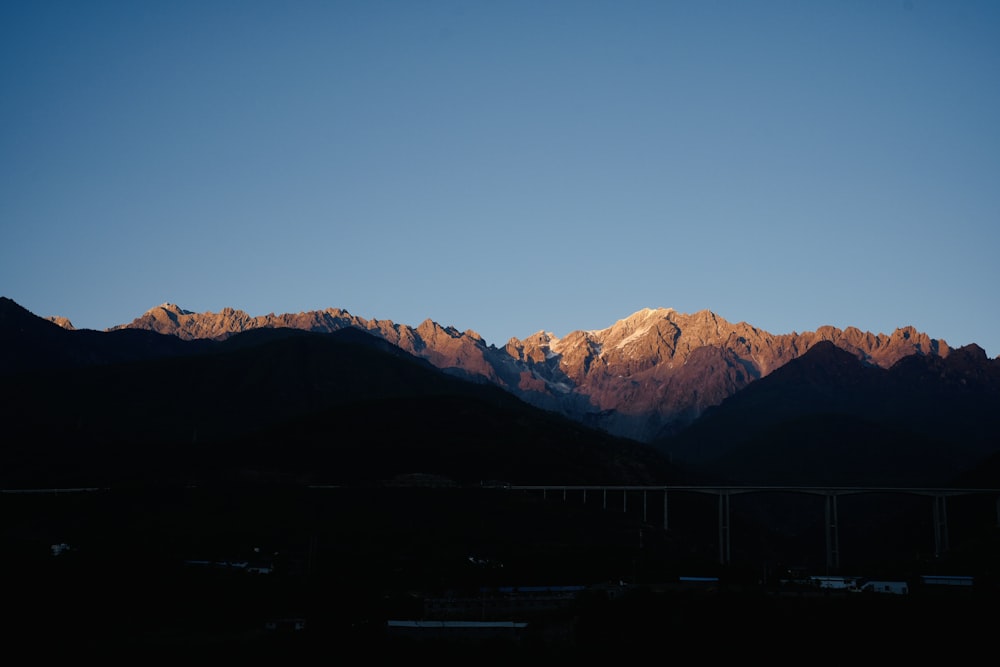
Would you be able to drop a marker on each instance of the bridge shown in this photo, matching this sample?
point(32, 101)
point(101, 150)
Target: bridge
point(724, 493)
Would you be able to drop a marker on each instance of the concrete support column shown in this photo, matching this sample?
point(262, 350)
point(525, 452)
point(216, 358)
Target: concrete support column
point(666, 525)
point(832, 535)
point(940, 525)
point(724, 552)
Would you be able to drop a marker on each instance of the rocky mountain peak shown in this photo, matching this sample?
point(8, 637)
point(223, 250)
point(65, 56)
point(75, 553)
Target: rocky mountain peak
point(171, 308)
point(647, 374)
point(61, 321)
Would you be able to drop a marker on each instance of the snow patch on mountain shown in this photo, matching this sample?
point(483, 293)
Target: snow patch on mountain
point(634, 336)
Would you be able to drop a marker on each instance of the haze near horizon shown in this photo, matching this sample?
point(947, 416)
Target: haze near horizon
point(506, 167)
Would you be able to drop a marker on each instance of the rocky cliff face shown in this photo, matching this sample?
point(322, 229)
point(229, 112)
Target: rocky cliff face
point(644, 377)
point(657, 370)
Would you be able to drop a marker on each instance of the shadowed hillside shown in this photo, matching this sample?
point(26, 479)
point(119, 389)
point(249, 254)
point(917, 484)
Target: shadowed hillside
point(828, 418)
point(279, 404)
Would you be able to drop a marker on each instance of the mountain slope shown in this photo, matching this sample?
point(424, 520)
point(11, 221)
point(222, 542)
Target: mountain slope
point(281, 404)
point(31, 343)
point(829, 406)
point(646, 376)
point(828, 418)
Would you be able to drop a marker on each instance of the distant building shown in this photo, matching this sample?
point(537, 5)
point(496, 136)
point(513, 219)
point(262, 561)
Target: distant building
point(803, 584)
point(835, 583)
point(891, 587)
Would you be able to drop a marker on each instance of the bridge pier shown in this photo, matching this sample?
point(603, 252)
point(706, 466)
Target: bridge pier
point(940, 525)
point(832, 534)
point(724, 550)
point(666, 524)
point(831, 524)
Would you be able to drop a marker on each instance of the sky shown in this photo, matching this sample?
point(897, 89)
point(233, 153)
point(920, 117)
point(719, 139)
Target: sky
point(506, 167)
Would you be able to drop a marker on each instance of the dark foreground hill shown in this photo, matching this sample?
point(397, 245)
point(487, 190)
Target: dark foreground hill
point(827, 418)
point(332, 407)
point(280, 404)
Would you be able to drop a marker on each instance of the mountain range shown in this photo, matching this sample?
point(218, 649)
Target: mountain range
point(89, 408)
point(690, 396)
point(644, 377)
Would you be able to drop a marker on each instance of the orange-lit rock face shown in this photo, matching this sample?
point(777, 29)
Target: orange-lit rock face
point(652, 369)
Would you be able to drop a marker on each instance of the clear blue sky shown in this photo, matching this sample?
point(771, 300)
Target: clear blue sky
point(506, 166)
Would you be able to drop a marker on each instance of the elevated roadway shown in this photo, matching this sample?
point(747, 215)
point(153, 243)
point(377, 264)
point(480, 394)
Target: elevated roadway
point(724, 493)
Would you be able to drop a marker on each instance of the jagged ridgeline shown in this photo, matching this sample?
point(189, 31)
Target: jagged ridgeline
point(722, 399)
point(643, 377)
point(281, 404)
